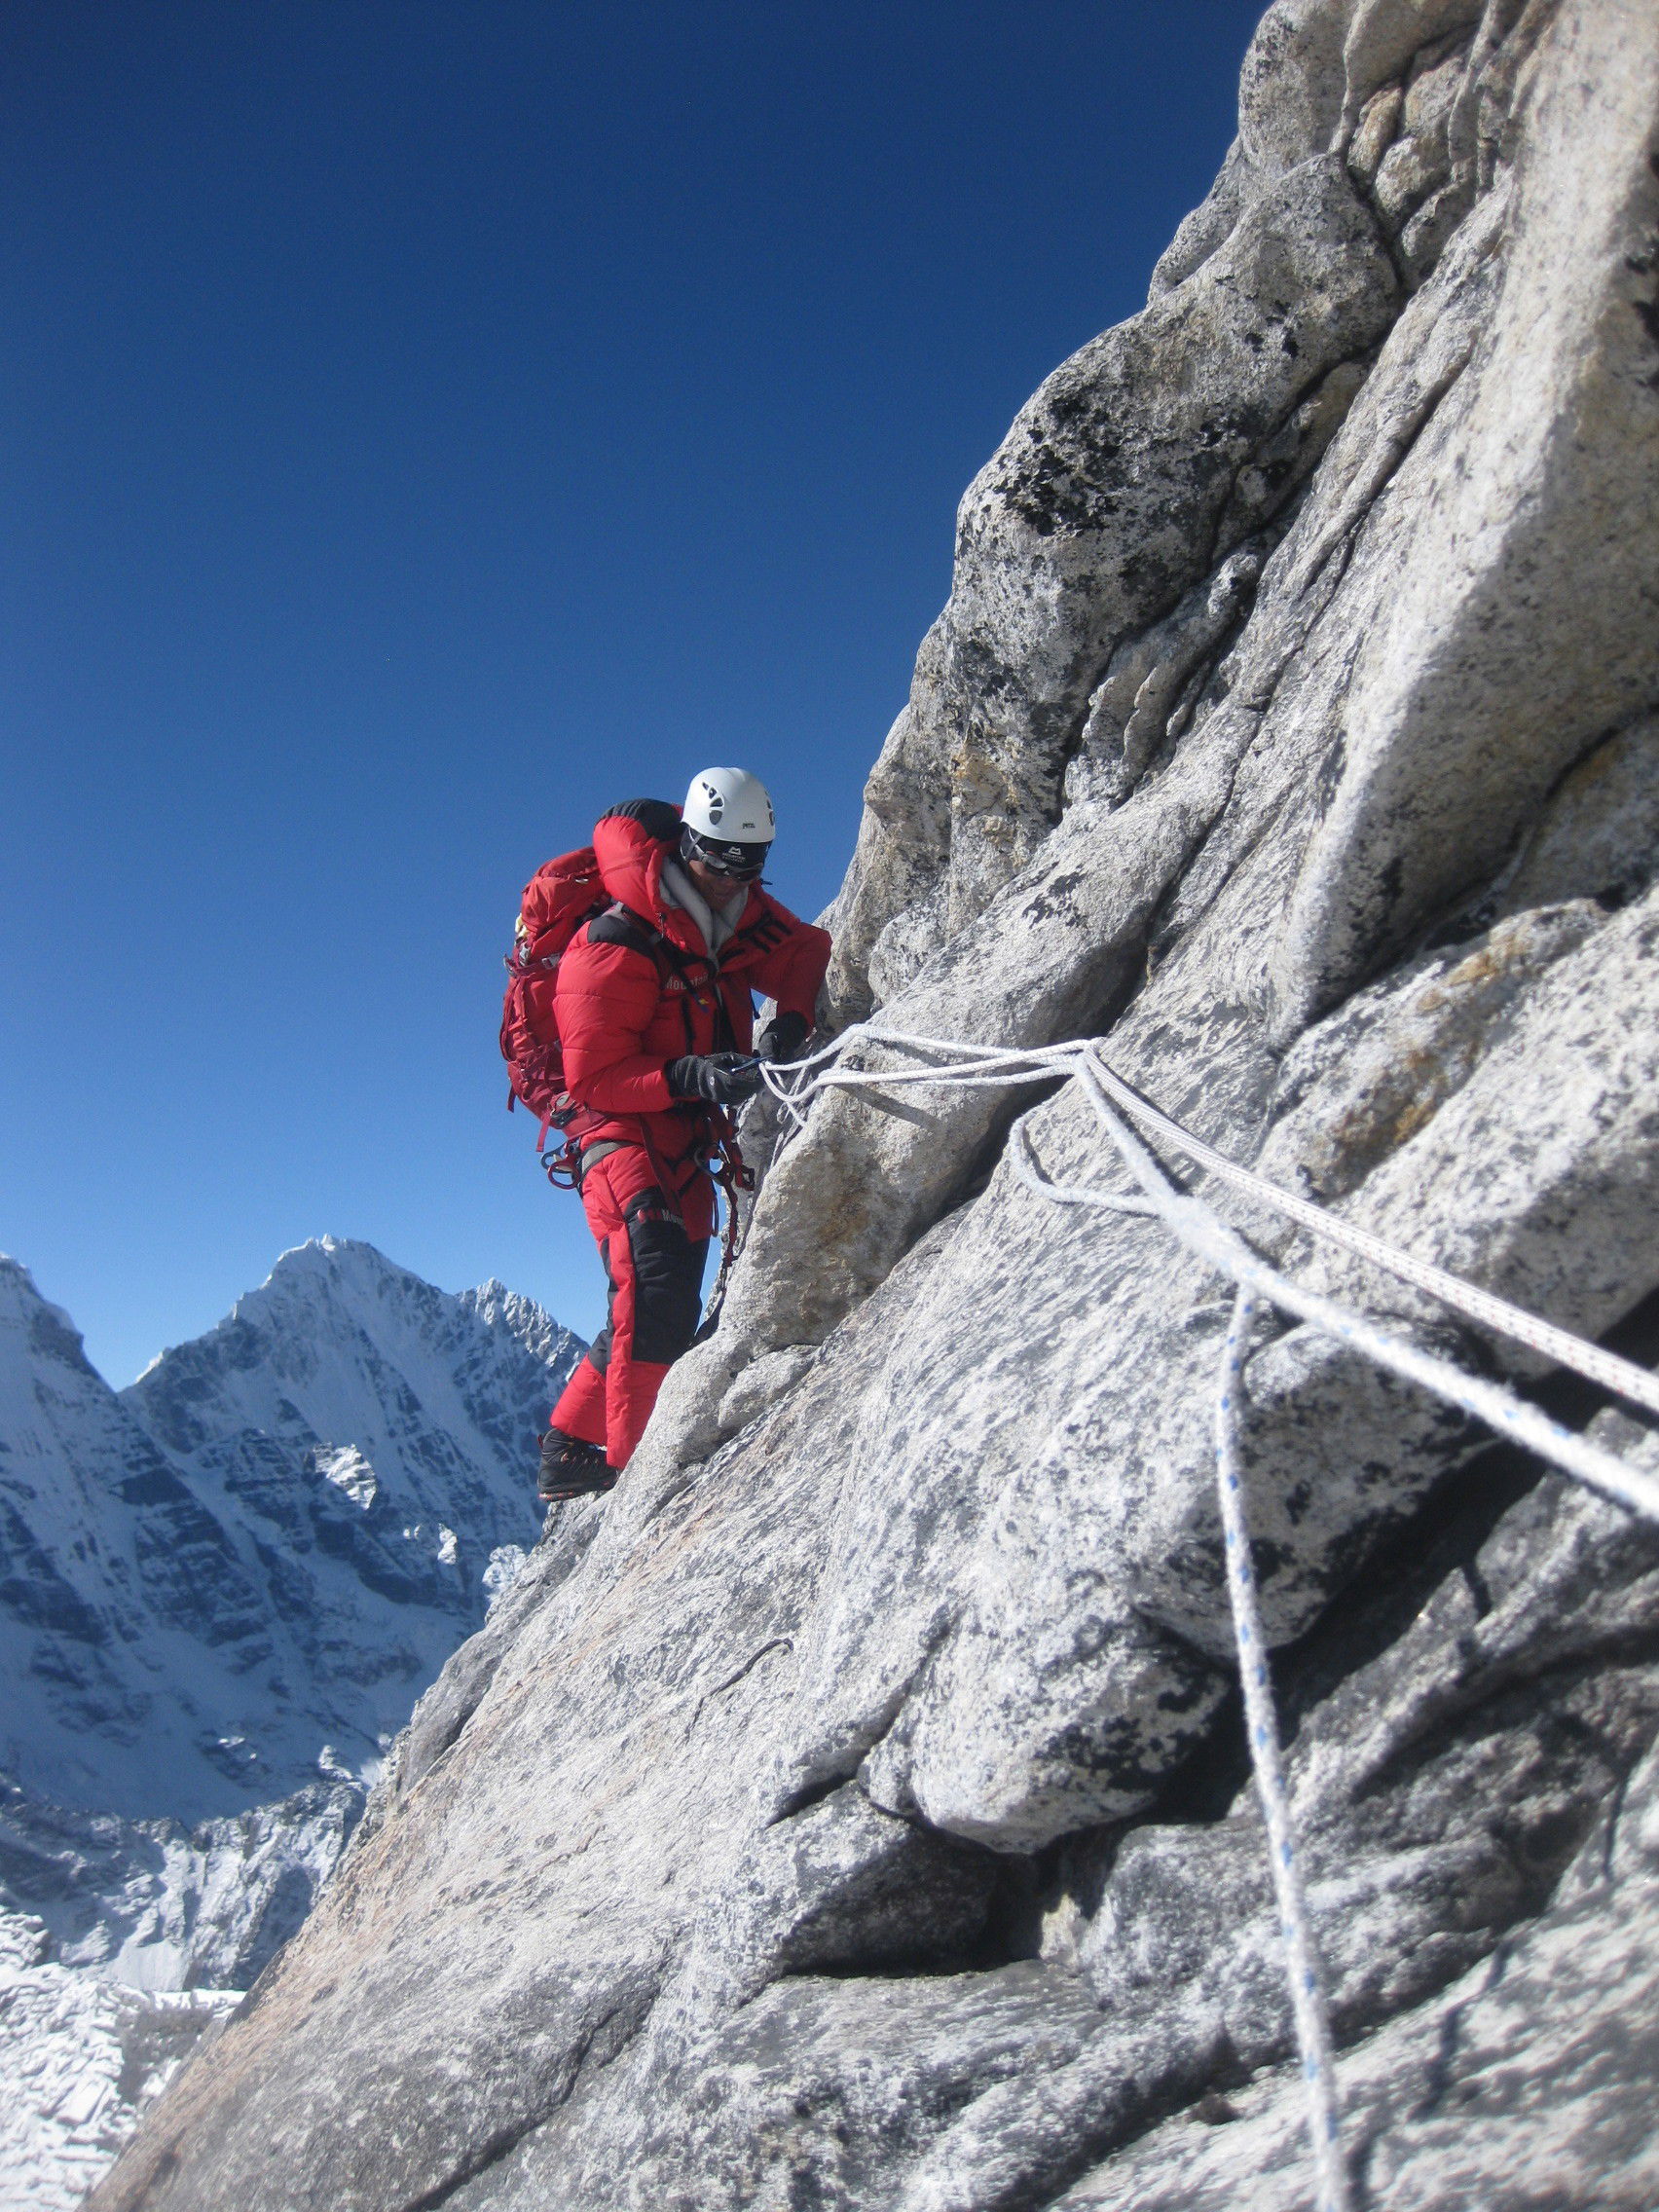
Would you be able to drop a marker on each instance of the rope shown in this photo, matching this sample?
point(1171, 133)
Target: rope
point(1213, 1240)
point(1261, 1720)
point(1492, 1403)
point(1557, 1346)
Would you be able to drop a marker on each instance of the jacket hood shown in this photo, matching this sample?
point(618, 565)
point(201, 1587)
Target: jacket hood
point(631, 861)
point(629, 865)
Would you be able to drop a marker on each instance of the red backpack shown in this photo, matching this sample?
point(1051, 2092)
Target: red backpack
point(558, 899)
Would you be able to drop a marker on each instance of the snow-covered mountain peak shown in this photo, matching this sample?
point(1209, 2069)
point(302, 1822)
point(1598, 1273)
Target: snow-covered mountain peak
point(18, 1290)
point(339, 1345)
point(347, 1265)
point(221, 1592)
point(269, 1542)
point(44, 1327)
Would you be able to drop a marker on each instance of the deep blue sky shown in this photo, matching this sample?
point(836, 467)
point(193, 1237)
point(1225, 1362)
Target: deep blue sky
point(422, 422)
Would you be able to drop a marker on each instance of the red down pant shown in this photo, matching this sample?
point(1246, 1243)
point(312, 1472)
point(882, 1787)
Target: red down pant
point(654, 1247)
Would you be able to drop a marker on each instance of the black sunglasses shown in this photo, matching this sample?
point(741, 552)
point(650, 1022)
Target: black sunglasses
point(742, 863)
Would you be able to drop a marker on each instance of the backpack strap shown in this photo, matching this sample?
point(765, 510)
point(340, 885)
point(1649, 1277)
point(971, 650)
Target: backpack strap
point(765, 932)
point(620, 925)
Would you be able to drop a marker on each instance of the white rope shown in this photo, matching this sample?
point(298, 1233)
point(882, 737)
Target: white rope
point(1261, 1721)
point(1043, 1062)
point(1218, 1242)
point(1559, 1345)
point(1214, 1241)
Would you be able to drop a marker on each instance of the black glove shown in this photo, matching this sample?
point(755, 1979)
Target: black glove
point(783, 1038)
point(720, 1078)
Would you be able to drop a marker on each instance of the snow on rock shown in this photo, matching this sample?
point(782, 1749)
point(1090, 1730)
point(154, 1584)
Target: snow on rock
point(851, 1810)
point(82, 2057)
point(122, 1943)
point(157, 1906)
point(506, 1565)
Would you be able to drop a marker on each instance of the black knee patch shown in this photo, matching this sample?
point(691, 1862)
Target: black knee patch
point(599, 1351)
point(668, 1279)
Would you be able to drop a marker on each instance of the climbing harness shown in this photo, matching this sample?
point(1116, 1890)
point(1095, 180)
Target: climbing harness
point(1115, 1104)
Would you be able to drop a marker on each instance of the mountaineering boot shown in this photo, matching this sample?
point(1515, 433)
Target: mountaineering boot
point(570, 1468)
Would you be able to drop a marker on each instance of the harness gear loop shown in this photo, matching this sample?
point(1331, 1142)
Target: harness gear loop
point(563, 1168)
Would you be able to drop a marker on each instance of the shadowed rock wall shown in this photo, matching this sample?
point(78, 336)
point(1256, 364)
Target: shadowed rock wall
point(852, 1811)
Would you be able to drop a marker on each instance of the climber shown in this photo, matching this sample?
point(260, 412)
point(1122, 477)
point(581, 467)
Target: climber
point(656, 1025)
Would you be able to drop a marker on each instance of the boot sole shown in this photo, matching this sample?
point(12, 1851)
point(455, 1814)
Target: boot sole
point(567, 1491)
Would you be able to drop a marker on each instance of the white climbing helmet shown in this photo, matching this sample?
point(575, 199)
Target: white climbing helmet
point(730, 807)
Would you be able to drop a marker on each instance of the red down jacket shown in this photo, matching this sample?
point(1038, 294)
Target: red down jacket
point(621, 1019)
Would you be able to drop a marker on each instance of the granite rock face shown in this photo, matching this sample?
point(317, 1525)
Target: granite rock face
point(852, 1810)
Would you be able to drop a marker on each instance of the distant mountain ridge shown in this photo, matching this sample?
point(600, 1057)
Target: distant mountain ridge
point(256, 1557)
